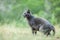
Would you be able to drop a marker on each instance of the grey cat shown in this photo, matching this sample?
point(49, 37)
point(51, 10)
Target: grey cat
point(39, 24)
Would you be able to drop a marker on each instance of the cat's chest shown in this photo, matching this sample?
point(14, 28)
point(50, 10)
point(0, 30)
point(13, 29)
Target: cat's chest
point(31, 22)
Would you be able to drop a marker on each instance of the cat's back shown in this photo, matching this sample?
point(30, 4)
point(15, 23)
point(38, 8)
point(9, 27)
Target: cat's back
point(41, 21)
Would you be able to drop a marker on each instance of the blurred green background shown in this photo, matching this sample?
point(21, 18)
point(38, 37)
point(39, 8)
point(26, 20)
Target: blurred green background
point(13, 25)
point(11, 11)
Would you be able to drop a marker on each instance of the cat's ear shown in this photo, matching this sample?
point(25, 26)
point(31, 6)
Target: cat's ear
point(28, 11)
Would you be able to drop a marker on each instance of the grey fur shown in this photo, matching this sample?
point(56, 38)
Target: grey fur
point(39, 24)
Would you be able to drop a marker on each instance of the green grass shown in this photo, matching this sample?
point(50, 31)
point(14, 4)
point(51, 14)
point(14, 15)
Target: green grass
point(10, 32)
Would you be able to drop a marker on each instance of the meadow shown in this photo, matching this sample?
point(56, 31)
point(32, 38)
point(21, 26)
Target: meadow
point(10, 32)
point(13, 25)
